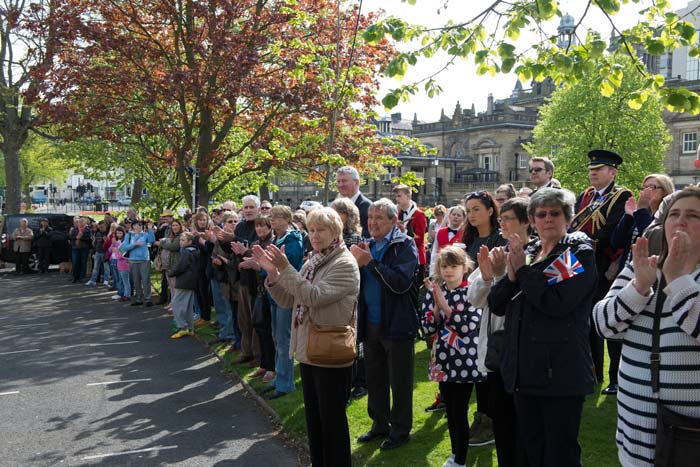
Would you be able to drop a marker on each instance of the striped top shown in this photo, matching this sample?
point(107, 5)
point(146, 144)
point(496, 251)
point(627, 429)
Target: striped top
point(625, 314)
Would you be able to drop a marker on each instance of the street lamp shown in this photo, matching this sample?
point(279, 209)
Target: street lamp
point(436, 163)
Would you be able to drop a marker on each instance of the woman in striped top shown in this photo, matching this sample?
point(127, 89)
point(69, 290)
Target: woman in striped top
point(627, 314)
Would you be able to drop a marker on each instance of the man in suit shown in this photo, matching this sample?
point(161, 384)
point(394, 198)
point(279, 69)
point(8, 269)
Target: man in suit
point(598, 210)
point(348, 180)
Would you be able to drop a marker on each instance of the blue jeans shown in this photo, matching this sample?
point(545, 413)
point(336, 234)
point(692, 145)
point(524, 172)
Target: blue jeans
point(79, 257)
point(222, 308)
point(98, 261)
point(282, 334)
point(114, 274)
point(125, 284)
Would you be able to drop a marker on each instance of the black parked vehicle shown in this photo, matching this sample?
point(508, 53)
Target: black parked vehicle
point(60, 246)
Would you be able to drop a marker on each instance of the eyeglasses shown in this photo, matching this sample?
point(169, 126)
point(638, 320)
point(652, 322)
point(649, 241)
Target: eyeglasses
point(503, 219)
point(651, 187)
point(265, 208)
point(536, 170)
point(231, 221)
point(544, 214)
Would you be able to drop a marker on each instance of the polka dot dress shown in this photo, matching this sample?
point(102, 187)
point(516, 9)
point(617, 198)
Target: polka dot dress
point(454, 352)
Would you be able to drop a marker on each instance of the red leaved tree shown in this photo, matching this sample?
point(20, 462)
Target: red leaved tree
point(248, 84)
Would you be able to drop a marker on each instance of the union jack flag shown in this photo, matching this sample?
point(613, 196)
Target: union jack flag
point(564, 267)
point(436, 374)
point(451, 337)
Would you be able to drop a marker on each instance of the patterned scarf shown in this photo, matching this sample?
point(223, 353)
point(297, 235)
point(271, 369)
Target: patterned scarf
point(315, 259)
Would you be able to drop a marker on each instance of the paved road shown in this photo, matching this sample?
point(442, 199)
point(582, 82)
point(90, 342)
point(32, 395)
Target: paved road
point(88, 382)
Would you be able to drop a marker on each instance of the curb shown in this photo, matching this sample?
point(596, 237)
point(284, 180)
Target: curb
point(298, 442)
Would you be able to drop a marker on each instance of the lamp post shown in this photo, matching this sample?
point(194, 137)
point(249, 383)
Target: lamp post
point(436, 163)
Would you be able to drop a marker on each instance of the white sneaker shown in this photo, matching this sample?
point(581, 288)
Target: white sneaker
point(116, 297)
point(89, 283)
point(106, 283)
point(450, 462)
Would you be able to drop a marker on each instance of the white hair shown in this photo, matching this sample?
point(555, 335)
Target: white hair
point(348, 170)
point(252, 198)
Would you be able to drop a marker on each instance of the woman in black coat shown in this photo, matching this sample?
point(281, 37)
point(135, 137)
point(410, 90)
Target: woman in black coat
point(546, 359)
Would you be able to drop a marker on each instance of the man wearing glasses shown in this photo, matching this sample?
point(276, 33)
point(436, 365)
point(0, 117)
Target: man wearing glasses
point(541, 173)
point(598, 211)
point(265, 208)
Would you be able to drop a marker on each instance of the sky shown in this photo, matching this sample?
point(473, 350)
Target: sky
point(460, 82)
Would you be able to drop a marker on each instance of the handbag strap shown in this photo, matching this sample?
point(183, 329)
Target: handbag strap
point(655, 356)
point(352, 318)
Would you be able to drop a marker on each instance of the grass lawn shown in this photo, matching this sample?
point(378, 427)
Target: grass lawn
point(430, 443)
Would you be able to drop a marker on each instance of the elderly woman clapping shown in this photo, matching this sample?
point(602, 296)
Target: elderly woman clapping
point(546, 357)
point(323, 293)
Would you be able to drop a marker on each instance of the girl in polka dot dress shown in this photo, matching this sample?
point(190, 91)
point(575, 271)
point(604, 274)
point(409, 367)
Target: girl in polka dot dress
point(455, 324)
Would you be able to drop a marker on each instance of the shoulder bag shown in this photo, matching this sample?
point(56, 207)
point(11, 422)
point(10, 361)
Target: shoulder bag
point(494, 346)
point(677, 436)
point(331, 345)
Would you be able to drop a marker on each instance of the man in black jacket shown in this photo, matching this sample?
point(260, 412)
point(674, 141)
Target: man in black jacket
point(42, 237)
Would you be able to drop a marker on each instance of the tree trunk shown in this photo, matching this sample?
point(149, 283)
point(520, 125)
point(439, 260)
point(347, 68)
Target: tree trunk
point(13, 176)
point(137, 190)
point(265, 192)
point(203, 194)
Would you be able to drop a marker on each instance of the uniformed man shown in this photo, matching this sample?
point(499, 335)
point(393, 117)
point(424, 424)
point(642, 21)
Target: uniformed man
point(598, 210)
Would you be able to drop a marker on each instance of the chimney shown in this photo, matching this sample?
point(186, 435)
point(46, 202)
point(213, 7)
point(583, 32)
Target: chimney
point(489, 105)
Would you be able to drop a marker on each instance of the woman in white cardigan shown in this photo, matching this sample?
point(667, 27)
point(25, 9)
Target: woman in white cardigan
point(627, 314)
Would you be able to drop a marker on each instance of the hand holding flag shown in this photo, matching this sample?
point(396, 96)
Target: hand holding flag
point(564, 267)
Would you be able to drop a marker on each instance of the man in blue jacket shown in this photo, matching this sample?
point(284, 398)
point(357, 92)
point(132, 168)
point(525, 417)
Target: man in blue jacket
point(387, 324)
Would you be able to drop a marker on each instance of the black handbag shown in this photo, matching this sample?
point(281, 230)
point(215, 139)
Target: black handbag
point(677, 436)
point(261, 316)
point(494, 347)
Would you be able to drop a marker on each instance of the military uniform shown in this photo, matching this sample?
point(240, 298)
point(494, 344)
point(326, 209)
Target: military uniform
point(597, 214)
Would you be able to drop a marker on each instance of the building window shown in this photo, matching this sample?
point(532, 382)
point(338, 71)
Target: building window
point(522, 163)
point(690, 142)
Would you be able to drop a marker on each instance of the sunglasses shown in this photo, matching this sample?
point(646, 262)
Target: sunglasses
point(230, 221)
point(265, 208)
point(536, 170)
point(552, 214)
point(482, 195)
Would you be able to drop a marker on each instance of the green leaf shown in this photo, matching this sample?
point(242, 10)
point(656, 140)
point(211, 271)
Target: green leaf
point(609, 6)
point(505, 50)
point(507, 65)
point(597, 47)
point(654, 46)
point(546, 8)
point(606, 89)
point(390, 101)
point(397, 68)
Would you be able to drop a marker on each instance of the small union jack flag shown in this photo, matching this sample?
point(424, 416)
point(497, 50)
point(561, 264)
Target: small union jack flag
point(564, 267)
point(451, 337)
point(436, 374)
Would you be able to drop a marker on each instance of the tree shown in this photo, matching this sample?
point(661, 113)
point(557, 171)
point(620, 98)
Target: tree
point(492, 39)
point(577, 119)
point(231, 86)
point(27, 38)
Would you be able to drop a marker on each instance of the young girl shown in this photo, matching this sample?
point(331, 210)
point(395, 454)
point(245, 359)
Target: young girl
point(121, 279)
point(455, 322)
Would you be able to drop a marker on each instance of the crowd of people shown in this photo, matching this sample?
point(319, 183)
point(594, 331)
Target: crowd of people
point(513, 292)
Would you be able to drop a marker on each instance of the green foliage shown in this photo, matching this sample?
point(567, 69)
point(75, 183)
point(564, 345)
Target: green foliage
point(578, 118)
point(492, 38)
point(38, 163)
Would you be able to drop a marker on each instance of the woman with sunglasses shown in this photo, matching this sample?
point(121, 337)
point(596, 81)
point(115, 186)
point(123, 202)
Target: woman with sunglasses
point(514, 220)
point(546, 357)
point(638, 216)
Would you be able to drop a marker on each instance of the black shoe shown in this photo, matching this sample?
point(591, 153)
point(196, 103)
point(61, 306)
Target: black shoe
point(393, 443)
point(268, 389)
point(358, 392)
point(370, 436)
point(276, 395)
point(610, 390)
point(149, 303)
point(137, 304)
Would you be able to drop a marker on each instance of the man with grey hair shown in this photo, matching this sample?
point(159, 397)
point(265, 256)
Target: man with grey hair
point(348, 180)
point(244, 236)
point(387, 324)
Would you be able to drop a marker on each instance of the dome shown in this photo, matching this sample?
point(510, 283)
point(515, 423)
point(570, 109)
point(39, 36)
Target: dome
point(567, 21)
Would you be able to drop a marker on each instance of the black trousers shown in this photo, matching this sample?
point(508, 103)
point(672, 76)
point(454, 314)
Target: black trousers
point(456, 397)
point(548, 428)
point(614, 352)
point(482, 398)
point(164, 290)
point(44, 257)
point(325, 395)
point(389, 366)
point(597, 343)
point(22, 262)
point(509, 449)
point(203, 293)
point(264, 332)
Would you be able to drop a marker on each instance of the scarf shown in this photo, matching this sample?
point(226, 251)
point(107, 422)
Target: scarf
point(315, 259)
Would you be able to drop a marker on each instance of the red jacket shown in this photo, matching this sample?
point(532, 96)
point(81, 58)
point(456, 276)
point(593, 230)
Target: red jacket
point(416, 228)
